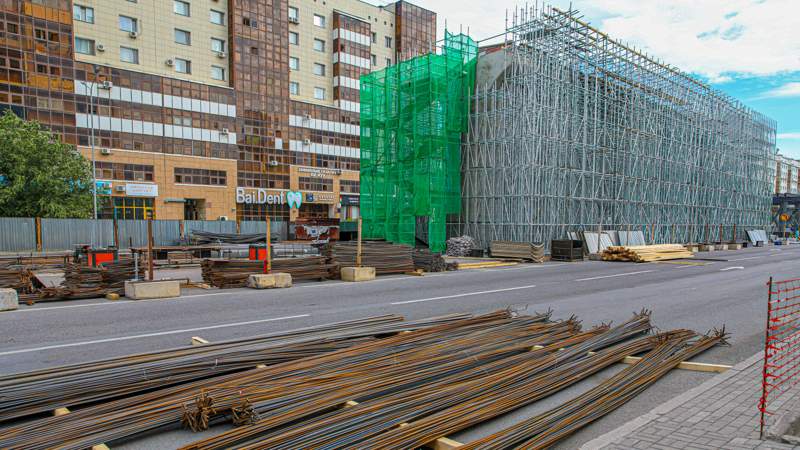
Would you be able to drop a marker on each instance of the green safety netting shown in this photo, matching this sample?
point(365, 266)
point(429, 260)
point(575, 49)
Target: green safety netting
point(413, 115)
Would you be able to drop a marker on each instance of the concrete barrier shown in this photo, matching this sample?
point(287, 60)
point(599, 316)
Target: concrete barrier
point(9, 301)
point(269, 281)
point(358, 273)
point(141, 290)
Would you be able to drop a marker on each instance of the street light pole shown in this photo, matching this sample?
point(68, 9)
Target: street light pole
point(91, 143)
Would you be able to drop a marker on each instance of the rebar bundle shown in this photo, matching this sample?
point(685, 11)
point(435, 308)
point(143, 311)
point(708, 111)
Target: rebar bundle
point(385, 257)
point(572, 130)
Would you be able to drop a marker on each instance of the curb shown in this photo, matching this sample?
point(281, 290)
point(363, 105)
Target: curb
point(629, 427)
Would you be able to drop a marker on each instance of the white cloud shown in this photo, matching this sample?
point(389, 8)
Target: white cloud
point(789, 136)
point(787, 90)
point(715, 38)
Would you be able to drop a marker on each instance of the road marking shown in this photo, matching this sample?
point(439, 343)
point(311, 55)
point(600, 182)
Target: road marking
point(617, 275)
point(745, 259)
point(29, 308)
point(466, 294)
point(731, 268)
point(160, 333)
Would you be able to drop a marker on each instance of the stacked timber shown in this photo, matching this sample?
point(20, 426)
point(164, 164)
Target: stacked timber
point(385, 257)
point(428, 261)
point(646, 253)
point(17, 278)
point(518, 250)
point(223, 273)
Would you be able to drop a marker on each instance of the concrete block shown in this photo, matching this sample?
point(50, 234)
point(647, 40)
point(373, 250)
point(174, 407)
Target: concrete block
point(9, 301)
point(722, 246)
point(706, 247)
point(358, 273)
point(736, 246)
point(269, 281)
point(692, 248)
point(142, 290)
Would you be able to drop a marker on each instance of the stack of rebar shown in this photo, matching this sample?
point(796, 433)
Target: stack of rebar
point(17, 278)
point(428, 261)
point(385, 257)
point(233, 273)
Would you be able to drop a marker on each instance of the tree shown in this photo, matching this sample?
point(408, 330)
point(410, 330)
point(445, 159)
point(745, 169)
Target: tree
point(39, 175)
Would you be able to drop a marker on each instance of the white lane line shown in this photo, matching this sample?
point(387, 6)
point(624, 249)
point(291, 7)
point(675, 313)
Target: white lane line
point(466, 294)
point(731, 268)
point(616, 275)
point(745, 259)
point(160, 333)
point(48, 308)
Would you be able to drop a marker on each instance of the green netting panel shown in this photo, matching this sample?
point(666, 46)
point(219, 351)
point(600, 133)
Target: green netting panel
point(412, 117)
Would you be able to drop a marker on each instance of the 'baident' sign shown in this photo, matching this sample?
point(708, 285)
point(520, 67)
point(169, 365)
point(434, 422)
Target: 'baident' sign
point(260, 197)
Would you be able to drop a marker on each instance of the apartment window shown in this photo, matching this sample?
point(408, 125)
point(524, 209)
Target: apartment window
point(83, 13)
point(218, 73)
point(84, 46)
point(319, 45)
point(294, 38)
point(388, 41)
point(373, 59)
point(319, 93)
point(374, 37)
point(294, 88)
point(129, 55)
point(183, 65)
point(200, 176)
point(128, 24)
point(182, 121)
point(319, 20)
point(294, 63)
point(294, 15)
point(217, 45)
point(181, 8)
point(319, 69)
point(217, 17)
point(248, 22)
point(388, 62)
point(183, 37)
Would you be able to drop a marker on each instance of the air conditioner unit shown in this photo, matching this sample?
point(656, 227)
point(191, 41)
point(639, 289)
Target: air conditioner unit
point(119, 188)
point(273, 163)
point(293, 20)
point(222, 55)
point(223, 131)
point(133, 34)
point(223, 218)
point(170, 62)
point(307, 117)
point(105, 151)
point(105, 84)
point(100, 47)
point(306, 141)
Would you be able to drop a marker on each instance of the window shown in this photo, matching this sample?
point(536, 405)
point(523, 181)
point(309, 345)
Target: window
point(130, 208)
point(129, 55)
point(248, 22)
point(83, 13)
point(217, 45)
point(183, 65)
point(217, 17)
point(374, 37)
point(294, 38)
point(218, 73)
point(182, 121)
point(388, 41)
point(181, 8)
point(183, 37)
point(319, 45)
point(319, 69)
point(319, 20)
point(128, 24)
point(84, 46)
point(200, 176)
point(315, 184)
point(121, 171)
point(373, 59)
point(319, 93)
point(388, 62)
point(294, 88)
point(294, 15)
point(294, 63)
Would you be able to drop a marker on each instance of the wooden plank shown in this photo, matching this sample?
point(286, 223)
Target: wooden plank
point(197, 340)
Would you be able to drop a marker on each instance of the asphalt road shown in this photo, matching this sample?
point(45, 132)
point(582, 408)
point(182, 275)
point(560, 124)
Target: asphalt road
point(729, 291)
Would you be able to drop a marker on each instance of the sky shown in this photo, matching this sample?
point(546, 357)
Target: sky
point(749, 49)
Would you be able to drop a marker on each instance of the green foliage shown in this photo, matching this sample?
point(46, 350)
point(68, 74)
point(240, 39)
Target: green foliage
point(39, 175)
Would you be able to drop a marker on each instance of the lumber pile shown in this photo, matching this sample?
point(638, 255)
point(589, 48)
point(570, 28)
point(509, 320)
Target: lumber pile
point(17, 278)
point(81, 281)
point(385, 257)
point(428, 261)
point(233, 273)
point(646, 253)
point(518, 250)
point(180, 257)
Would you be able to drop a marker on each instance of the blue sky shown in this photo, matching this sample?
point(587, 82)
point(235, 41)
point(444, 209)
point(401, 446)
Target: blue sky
point(750, 49)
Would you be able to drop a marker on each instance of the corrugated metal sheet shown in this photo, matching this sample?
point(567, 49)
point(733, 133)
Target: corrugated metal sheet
point(278, 230)
point(17, 234)
point(65, 234)
point(214, 226)
point(134, 232)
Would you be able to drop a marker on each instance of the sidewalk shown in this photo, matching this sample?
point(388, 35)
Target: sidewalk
point(721, 413)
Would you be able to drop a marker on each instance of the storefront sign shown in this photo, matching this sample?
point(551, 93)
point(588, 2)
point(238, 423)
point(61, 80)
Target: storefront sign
point(351, 200)
point(318, 172)
point(141, 190)
point(295, 199)
point(320, 197)
point(260, 197)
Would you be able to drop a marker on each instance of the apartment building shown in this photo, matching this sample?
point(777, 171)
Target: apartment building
point(207, 108)
point(787, 175)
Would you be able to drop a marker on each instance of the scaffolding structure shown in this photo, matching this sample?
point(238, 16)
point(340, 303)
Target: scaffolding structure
point(413, 117)
point(574, 131)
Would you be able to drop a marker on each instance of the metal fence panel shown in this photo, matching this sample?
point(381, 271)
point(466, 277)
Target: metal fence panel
point(213, 226)
point(17, 234)
point(278, 230)
point(65, 234)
